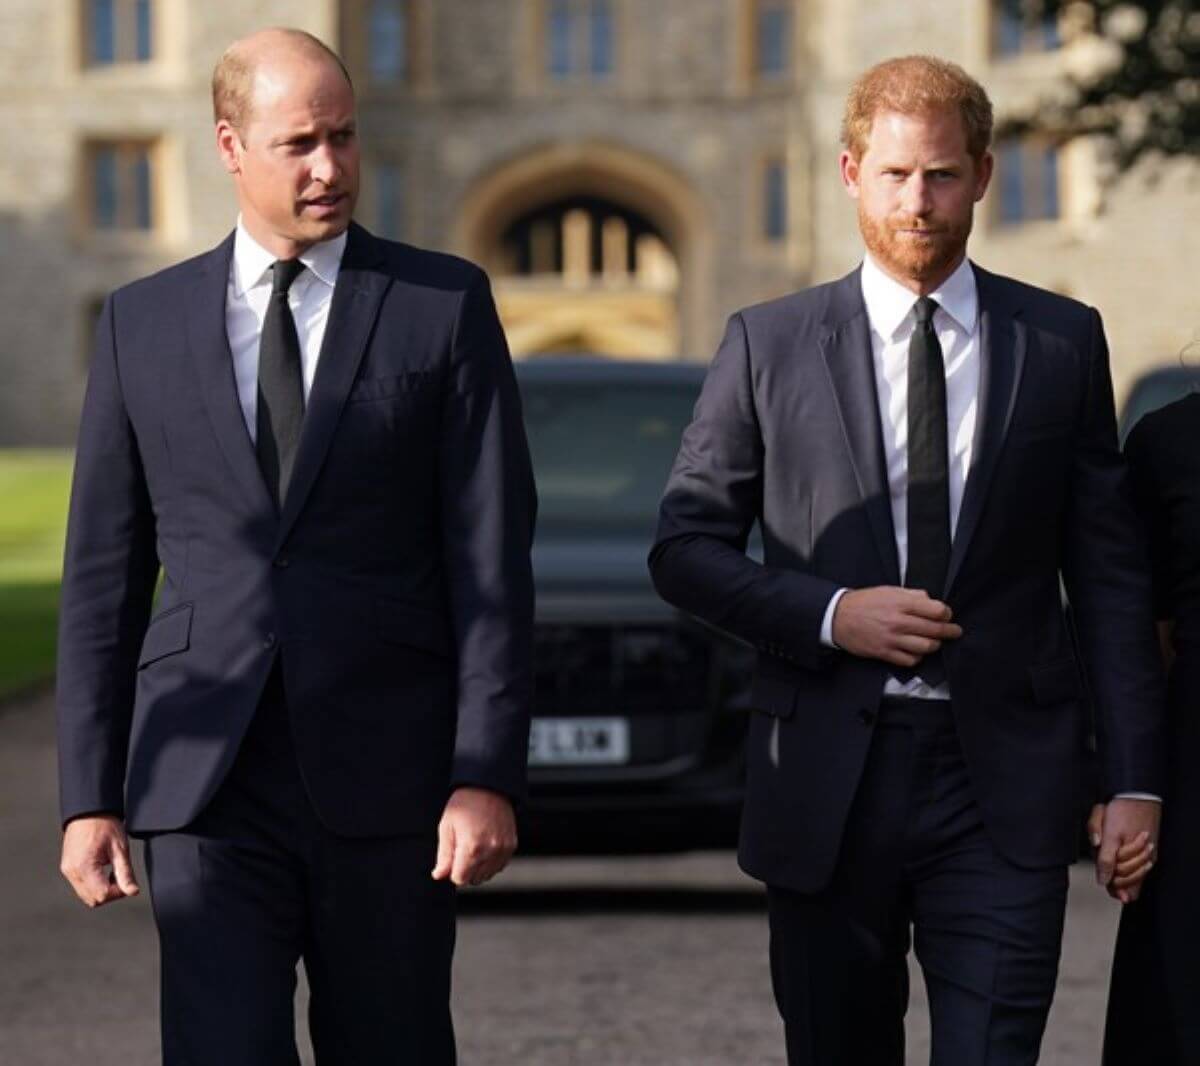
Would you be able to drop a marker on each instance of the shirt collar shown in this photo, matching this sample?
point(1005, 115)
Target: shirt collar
point(252, 263)
point(889, 303)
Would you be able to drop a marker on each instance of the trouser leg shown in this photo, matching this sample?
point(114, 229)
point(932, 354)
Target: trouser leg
point(986, 933)
point(229, 901)
point(379, 954)
point(838, 956)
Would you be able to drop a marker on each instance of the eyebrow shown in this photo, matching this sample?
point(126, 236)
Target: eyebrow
point(306, 132)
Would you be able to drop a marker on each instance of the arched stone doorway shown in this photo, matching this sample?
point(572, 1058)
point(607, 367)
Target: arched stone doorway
point(590, 248)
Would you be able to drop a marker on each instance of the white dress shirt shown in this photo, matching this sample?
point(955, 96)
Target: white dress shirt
point(956, 320)
point(246, 299)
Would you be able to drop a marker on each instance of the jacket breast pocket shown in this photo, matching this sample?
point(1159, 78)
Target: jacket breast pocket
point(391, 386)
point(168, 634)
point(773, 696)
point(1055, 682)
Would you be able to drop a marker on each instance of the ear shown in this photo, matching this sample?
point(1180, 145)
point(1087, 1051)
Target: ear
point(229, 147)
point(850, 170)
point(983, 174)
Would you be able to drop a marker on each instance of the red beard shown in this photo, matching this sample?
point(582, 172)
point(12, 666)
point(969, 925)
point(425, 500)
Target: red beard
point(919, 257)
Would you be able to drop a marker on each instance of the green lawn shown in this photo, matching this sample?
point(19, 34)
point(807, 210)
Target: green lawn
point(33, 514)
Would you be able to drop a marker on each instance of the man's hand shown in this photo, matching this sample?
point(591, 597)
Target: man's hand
point(95, 860)
point(900, 626)
point(1125, 832)
point(476, 836)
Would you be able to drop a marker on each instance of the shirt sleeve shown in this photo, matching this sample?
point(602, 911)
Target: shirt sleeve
point(827, 622)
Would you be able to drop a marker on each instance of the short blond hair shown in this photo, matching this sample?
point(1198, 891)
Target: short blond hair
point(233, 77)
point(917, 85)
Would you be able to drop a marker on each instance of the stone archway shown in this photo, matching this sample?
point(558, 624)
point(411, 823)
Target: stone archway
point(653, 311)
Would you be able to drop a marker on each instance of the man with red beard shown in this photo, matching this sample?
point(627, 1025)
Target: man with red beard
point(925, 447)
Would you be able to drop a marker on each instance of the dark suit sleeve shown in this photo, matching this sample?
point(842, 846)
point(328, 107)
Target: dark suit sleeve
point(712, 500)
point(488, 507)
point(108, 585)
point(1107, 576)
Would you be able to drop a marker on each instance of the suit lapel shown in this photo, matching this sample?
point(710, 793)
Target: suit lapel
point(846, 349)
point(209, 343)
point(356, 300)
point(1002, 338)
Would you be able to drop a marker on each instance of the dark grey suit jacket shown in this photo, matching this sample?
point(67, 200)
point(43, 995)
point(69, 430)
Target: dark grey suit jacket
point(394, 590)
point(787, 433)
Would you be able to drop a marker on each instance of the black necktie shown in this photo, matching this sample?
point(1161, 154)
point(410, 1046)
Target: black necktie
point(280, 384)
point(928, 471)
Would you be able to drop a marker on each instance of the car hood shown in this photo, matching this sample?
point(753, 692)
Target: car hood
point(596, 578)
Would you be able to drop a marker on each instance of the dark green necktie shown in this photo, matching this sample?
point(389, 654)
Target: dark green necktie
point(280, 384)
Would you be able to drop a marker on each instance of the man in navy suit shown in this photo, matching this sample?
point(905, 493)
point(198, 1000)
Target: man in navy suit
point(320, 725)
point(926, 448)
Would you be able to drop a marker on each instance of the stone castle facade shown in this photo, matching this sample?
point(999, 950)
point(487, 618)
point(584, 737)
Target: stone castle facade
point(629, 171)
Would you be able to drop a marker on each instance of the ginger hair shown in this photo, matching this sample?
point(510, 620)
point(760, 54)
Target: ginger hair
point(917, 85)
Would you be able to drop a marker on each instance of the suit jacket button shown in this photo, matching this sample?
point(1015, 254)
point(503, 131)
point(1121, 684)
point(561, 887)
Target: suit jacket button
point(282, 562)
point(866, 715)
point(269, 641)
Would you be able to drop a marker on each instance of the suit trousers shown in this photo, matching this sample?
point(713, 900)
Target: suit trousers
point(916, 865)
point(255, 884)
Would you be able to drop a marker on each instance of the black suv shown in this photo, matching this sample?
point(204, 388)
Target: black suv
point(640, 712)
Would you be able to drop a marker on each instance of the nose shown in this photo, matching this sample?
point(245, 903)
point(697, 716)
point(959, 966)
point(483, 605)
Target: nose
point(324, 164)
point(918, 200)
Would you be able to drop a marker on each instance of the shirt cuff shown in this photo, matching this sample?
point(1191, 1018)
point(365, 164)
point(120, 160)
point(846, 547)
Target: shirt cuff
point(1138, 796)
point(827, 622)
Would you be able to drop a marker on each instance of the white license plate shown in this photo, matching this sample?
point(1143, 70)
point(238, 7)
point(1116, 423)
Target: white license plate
point(579, 742)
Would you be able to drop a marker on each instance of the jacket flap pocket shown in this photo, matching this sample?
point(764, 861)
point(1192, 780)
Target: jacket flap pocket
point(773, 696)
point(401, 622)
point(167, 634)
point(1056, 682)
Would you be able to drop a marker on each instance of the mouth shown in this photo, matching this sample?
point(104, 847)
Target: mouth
point(324, 203)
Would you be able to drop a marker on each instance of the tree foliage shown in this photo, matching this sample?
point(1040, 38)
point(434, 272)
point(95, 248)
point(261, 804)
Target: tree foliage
point(1134, 76)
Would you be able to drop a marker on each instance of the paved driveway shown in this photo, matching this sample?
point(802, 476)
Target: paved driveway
point(646, 962)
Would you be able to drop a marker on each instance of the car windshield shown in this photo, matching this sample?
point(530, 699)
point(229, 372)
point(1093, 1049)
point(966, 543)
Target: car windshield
point(602, 451)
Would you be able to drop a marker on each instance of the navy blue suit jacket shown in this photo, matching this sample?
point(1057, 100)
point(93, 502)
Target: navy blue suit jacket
point(787, 433)
point(394, 589)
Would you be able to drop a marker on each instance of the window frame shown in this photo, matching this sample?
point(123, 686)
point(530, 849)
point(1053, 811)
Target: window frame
point(1013, 34)
point(136, 177)
point(569, 32)
point(1037, 181)
point(131, 34)
point(764, 9)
